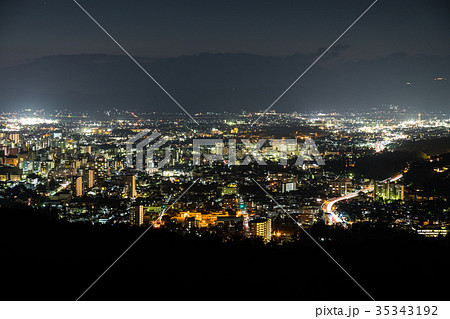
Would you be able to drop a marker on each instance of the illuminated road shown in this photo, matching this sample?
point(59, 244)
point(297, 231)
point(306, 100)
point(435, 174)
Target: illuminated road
point(60, 188)
point(328, 205)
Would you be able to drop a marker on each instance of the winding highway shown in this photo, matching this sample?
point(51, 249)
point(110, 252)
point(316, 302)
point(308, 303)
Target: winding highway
point(328, 205)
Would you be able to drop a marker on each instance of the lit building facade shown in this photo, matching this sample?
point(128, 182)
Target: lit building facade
point(78, 181)
point(137, 215)
point(388, 191)
point(130, 186)
point(261, 228)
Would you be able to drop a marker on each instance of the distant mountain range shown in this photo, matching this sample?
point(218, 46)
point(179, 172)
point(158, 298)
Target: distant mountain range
point(232, 82)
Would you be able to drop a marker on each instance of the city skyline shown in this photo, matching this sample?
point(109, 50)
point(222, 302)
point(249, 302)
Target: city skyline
point(226, 150)
point(387, 169)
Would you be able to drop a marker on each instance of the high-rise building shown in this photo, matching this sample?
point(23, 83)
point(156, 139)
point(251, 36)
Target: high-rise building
point(137, 215)
point(288, 187)
point(230, 189)
point(340, 187)
point(130, 186)
point(262, 228)
point(78, 181)
point(14, 137)
point(388, 191)
point(91, 178)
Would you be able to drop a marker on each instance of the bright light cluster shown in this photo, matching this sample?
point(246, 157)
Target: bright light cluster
point(32, 121)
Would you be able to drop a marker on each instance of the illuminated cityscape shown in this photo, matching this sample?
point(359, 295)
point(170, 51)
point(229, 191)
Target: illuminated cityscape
point(225, 151)
point(76, 165)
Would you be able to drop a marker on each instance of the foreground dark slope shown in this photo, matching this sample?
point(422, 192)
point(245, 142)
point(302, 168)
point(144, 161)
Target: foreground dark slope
point(47, 259)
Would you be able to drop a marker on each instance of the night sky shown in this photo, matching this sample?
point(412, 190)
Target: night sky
point(168, 29)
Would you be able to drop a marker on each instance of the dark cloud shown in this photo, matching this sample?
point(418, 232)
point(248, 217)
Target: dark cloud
point(155, 29)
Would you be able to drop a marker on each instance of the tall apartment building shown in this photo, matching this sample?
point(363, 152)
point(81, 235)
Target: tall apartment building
point(262, 228)
point(137, 215)
point(130, 186)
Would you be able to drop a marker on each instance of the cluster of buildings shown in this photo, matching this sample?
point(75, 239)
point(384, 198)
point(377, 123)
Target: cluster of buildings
point(78, 166)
